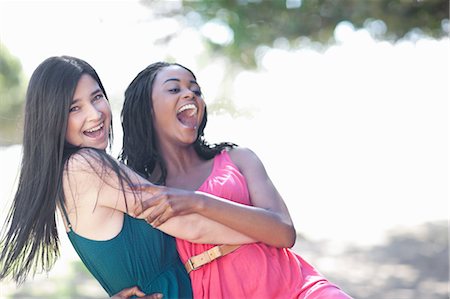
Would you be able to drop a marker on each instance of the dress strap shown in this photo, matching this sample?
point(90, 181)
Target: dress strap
point(63, 209)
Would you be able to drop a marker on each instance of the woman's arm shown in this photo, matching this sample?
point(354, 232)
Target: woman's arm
point(135, 291)
point(267, 221)
point(96, 185)
point(270, 216)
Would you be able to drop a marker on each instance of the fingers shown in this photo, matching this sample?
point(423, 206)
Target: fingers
point(146, 207)
point(163, 217)
point(142, 208)
point(153, 296)
point(159, 209)
point(128, 292)
point(159, 213)
point(148, 202)
point(143, 187)
point(135, 291)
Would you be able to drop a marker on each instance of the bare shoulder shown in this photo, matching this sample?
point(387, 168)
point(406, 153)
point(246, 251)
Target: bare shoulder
point(85, 168)
point(87, 160)
point(244, 157)
point(83, 159)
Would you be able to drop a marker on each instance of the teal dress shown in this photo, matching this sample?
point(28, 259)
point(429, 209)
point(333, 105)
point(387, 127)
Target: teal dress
point(138, 256)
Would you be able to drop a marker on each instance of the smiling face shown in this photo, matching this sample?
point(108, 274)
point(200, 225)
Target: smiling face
point(89, 116)
point(178, 106)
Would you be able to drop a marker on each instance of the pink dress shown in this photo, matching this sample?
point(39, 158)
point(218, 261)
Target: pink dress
point(253, 270)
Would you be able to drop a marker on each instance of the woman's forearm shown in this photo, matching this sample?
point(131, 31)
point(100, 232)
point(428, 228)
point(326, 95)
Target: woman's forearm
point(199, 229)
point(260, 224)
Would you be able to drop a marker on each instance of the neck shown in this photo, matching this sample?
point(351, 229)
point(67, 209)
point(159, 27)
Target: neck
point(180, 160)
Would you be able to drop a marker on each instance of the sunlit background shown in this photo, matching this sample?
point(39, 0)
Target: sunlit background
point(353, 133)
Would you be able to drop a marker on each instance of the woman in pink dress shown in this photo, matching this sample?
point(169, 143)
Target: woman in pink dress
point(163, 118)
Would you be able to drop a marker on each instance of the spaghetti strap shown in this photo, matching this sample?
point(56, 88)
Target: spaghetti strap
point(69, 225)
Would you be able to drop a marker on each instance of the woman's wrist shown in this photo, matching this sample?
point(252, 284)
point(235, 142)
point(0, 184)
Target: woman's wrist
point(201, 202)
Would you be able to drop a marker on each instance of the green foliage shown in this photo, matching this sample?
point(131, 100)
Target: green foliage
point(261, 22)
point(12, 97)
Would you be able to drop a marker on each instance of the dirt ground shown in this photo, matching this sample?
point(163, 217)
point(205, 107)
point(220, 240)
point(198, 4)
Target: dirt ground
point(413, 264)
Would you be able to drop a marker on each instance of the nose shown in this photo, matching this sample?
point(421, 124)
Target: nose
point(94, 113)
point(188, 94)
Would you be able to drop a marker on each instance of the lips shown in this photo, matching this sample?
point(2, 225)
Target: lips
point(187, 115)
point(95, 132)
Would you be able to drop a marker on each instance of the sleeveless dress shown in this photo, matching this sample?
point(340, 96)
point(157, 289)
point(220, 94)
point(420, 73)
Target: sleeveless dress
point(138, 256)
point(253, 270)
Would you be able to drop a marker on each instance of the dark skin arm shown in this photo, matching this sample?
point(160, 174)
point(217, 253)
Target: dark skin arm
point(267, 220)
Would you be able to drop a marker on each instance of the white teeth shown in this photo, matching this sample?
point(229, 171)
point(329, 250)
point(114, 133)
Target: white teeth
point(186, 107)
point(95, 129)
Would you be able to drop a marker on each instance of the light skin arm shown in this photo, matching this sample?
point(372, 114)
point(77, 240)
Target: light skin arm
point(267, 221)
point(135, 291)
point(94, 183)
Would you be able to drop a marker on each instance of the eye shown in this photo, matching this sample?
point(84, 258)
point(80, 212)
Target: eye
point(174, 90)
point(196, 89)
point(74, 108)
point(98, 97)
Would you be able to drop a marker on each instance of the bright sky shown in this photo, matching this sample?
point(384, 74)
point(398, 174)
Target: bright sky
point(355, 138)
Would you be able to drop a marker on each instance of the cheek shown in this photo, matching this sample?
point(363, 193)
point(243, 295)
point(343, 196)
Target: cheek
point(161, 112)
point(72, 129)
point(104, 108)
point(108, 115)
point(202, 109)
point(158, 120)
point(158, 107)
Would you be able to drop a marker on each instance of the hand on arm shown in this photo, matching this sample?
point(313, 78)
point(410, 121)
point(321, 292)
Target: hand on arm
point(267, 221)
point(165, 203)
point(135, 291)
point(174, 211)
point(99, 187)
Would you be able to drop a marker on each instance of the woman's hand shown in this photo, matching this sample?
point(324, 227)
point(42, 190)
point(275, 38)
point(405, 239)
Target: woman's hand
point(135, 291)
point(179, 213)
point(165, 203)
point(266, 220)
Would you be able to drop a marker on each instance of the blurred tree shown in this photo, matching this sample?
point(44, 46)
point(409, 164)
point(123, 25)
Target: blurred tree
point(251, 23)
point(12, 97)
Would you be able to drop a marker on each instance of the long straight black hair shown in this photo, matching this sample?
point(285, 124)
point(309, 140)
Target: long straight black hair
point(29, 239)
point(139, 148)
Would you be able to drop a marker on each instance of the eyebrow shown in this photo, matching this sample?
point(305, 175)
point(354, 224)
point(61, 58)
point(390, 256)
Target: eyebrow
point(92, 94)
point(178, 80)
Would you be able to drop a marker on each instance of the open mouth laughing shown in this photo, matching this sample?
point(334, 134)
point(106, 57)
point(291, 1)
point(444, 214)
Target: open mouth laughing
point(95, 132)
point(187, 115)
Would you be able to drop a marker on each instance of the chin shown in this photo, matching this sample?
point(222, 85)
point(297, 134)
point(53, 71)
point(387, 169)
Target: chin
point(99, 146)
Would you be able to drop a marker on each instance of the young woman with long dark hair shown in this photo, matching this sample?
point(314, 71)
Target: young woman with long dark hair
point(65, 168)
point(163, 118)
